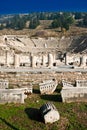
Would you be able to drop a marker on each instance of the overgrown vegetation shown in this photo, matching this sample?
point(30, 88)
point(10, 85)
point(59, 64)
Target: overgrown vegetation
point(26, 116)
point(34, 23)
point(64, 21)
point(60, 19)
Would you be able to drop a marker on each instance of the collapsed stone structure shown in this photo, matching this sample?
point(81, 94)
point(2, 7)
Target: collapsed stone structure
point(4, 84)
point(12, 95)
point(49, 113)
point(17, 51)
point(22, 51)
point(78, 60)
point(77, 93)
point(48, 87)
point(25, 52)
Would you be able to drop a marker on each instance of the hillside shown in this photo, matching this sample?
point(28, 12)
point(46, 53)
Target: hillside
point(74, 40)
point(44, 26)
point(61, 39)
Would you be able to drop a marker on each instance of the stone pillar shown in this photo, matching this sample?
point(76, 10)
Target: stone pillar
point(22, 97)
point(54, 56)
point(50, 60)
point(45, 45)
point(77, 83)
point(5, 39)
point(83, 61)
point(43, 60)
point(7, 59)
point(16, 61)
point(66, 59)
point(33, 61)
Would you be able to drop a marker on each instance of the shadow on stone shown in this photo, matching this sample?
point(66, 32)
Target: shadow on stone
point(8, 124)
point(33, 114)
point(56, 98)
point(36, 91)
point(58, 90)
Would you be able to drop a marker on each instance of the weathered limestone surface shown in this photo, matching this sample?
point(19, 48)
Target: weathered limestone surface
point(4, 84)
point(22, 51)
point(49, 113)
point(50, 60)
point(75, 94)
point(12, 96)
point(81, 83)
point(16, 61)
point(48, 87)
point(83, 61)
point(22, 79)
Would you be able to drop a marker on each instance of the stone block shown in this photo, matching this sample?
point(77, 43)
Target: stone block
point(49, 113)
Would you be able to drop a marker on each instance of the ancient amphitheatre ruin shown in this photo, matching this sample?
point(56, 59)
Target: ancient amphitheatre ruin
point(28, 60)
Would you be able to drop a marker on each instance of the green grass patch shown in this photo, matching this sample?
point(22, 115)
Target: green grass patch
point(26, 116)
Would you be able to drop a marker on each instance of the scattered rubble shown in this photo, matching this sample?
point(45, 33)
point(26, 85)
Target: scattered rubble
point(48, 87)
point(74, 93)
point(16, 95)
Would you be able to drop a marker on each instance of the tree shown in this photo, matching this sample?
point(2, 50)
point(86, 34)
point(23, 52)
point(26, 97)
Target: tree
point(85, 20)
point(78, 15)
point(34, 23)
point(42, 16)
point(20, 24)
point(70, 20)
point(56, 23)
point(64, 21)
point(1, 27)
point(66, 26)
point(16, 23)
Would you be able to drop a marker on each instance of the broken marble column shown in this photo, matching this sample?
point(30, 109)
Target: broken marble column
point(43, 60)
point(7, 59)
point(54, 57)
point(33, 61)
point(50, 60)
point(45, 45)
point(16, 61)
point(49, 113)
point(83, 61)
point(22, 97)
point(66, 59)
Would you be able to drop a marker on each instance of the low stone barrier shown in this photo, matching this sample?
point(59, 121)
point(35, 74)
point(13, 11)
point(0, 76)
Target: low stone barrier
point(4, 84)
point(74, 94)
point(14, 95)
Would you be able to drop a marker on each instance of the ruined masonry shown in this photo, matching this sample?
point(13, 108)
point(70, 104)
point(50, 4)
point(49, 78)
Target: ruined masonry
point(77, 93)
point(22, 51)
point(12, 95)
point(48, 87)
point(49, 113)
point(18, 54)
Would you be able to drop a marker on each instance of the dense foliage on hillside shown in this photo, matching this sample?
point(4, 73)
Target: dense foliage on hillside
point(16, 23)
point(63, 21)
point(34, 23)
point(60, 19)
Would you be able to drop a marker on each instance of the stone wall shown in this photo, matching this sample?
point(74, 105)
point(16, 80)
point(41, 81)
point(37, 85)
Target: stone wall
point(22, 79)
point(74, 94)
point(12, 96)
